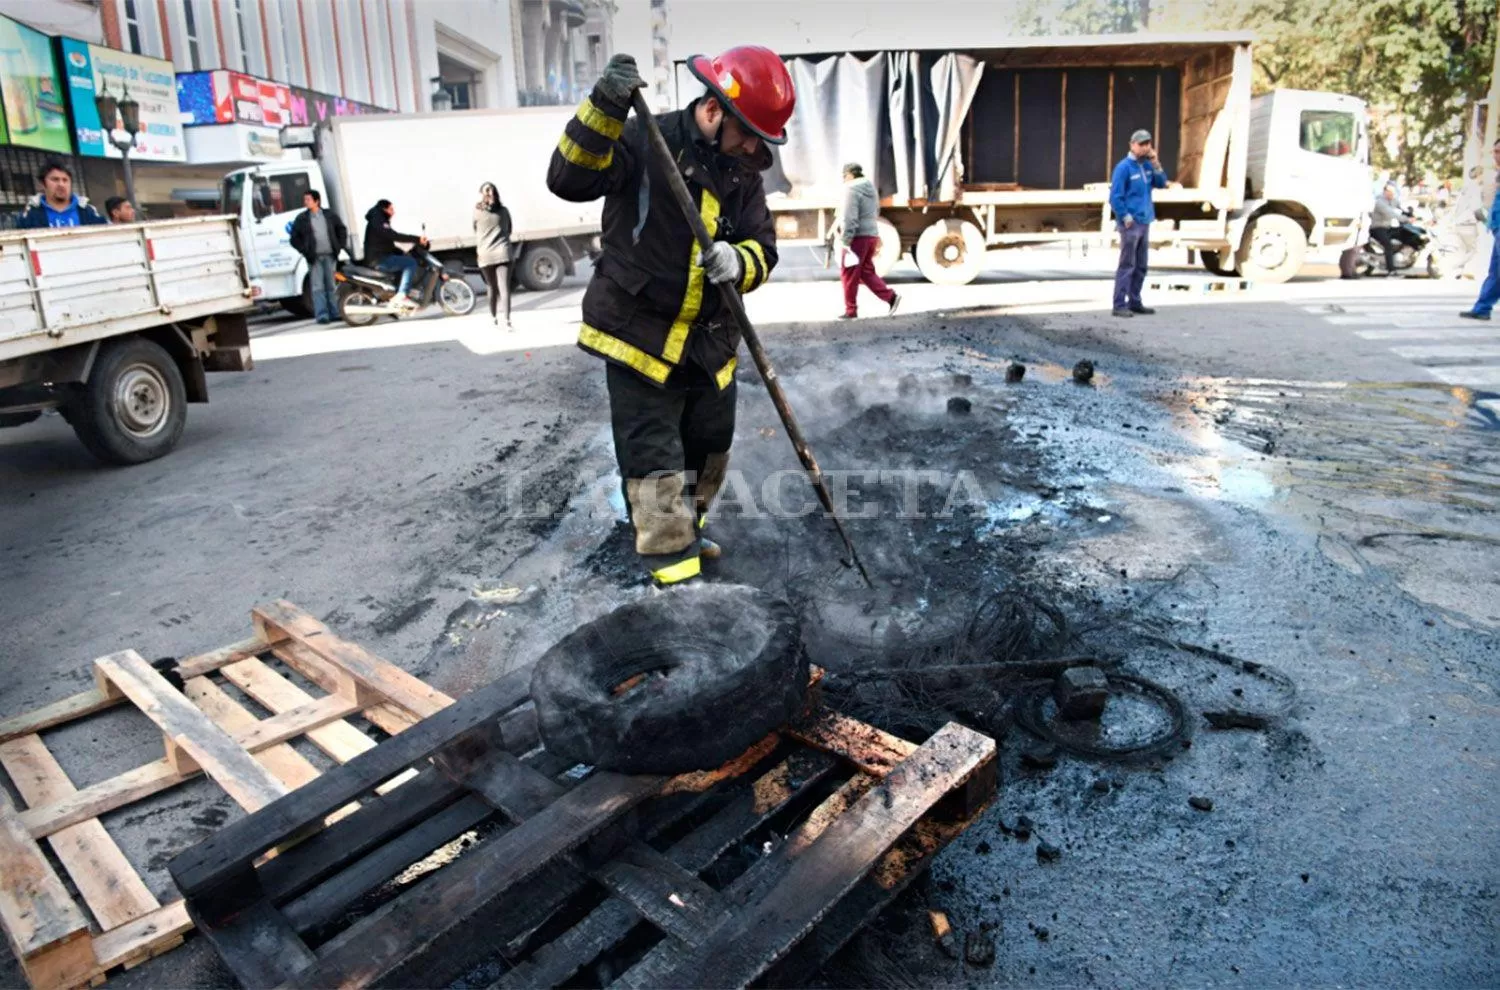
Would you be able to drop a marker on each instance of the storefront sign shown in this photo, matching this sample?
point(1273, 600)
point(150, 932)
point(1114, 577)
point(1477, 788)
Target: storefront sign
point(150, 82)
point(223, 97)
point(31, 90)
point(233, 143)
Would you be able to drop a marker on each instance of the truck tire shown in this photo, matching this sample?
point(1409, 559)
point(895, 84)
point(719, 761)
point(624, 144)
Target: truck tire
point(1273, 248)
point(723, 667)
point(134, 405)
point(542, 267)
point(300, 306)
point(1220, 263)
point(950, 252)
point(889, 251)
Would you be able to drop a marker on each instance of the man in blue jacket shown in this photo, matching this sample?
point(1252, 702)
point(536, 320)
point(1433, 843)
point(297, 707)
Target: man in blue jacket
point(1489, 293)
point(56, 205)
point(1130, 197)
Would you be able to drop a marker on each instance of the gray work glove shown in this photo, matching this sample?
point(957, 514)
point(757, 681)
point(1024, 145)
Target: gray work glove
point(722, 263)
point(1482, 215)
point(1128, 222)
point(620, 79)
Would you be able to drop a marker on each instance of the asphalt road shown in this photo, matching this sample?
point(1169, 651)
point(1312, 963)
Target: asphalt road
point(1309, 470)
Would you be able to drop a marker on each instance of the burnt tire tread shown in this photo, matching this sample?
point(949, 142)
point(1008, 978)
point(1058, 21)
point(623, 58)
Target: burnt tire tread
point(696, 718)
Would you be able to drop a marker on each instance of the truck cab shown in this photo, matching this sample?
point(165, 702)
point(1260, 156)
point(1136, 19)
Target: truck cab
point(1309, 160)
point(266, 198)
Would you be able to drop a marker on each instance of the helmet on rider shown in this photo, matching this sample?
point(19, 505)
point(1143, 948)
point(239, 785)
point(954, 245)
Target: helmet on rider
point(752, 83)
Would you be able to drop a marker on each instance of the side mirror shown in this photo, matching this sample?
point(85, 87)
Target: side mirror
point(260, 200)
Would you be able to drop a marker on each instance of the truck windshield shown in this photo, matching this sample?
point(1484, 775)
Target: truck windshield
point(1329, 132)
point(232, 194)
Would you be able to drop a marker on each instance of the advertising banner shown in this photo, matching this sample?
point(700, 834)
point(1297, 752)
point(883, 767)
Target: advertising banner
point(223, 97)
point(150, 82)
point(31, 90)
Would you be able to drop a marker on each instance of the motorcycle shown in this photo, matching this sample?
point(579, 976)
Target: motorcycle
point(1414, 251)
point(367, 294)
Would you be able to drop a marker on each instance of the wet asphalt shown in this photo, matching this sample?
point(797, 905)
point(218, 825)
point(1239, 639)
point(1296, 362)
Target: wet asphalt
point(455, 512)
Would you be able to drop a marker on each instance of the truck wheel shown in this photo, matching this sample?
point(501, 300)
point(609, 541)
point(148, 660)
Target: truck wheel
point(950, 252)
point(1220, 263)
point(889, 251)
point(542, 268)
point(134, 405)
point(1273, 248)
point(672, 683)
point(300, 306)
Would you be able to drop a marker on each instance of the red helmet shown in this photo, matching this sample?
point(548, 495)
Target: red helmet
point(753, 83)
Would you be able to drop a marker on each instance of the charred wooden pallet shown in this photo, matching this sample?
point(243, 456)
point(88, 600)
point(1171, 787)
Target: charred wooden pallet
point(205, 730)
point(758, 871)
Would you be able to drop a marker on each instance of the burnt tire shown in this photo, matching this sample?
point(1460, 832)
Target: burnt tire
point(723, 665)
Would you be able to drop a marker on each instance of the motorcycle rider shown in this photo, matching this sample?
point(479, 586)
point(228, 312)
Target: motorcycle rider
point(1385, 225)
point(382, 252)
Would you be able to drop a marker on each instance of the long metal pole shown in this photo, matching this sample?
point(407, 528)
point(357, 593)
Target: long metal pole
point(736, 307)
point(129, 176)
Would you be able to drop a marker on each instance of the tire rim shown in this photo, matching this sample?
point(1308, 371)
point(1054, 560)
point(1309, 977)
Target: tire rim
point(543, 269)
point(142, 401)
point(1271, 249)
point(949, 251)
point(359, 298)
point(456, 297)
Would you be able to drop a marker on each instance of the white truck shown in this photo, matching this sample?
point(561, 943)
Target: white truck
point(980, 146)
point(115, 326)
point(430, 166)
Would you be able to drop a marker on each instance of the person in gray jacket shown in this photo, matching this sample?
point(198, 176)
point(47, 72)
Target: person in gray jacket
point(1385, 225)
point(860, 238)
point(492, 237)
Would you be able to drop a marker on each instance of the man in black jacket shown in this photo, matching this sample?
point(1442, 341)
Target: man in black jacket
point(381, 250)
point(319, 235)
point(649, 310)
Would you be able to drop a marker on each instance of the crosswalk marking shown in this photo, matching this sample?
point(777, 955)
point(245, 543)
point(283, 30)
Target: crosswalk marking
point(1425, 331)
point(1448, 351)
point(1453, 333)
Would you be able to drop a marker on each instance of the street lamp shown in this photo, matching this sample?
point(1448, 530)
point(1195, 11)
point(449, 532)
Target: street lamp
point(441, 99)
point(127, 112)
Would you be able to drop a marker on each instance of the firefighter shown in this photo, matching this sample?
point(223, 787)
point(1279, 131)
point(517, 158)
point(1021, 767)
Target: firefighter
point(668, 342)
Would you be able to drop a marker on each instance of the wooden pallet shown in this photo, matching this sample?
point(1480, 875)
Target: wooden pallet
point(760, 870)
point(204, 730)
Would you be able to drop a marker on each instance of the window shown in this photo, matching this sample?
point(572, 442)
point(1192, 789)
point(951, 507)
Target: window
point(1329, 132)
point(239, 21)
point(282, 193)
point(133, 26)
point(190, 28)
point(291, 38)
point(232, 194)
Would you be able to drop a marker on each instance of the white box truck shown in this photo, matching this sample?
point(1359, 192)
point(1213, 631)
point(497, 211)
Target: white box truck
point(115, 326)
point(430, 166)
point(977, 146)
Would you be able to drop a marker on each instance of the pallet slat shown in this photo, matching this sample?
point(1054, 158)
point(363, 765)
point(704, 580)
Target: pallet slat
point(58, 713)
point(361, 668)
point(406, 925)
point(109, 885)
point(663, 893)
point(187, 728)
point(223, 857)
point(47, 932)
point(829, 867)
point(134, 942)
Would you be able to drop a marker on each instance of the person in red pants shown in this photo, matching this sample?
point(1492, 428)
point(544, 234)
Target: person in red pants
point(861, 239)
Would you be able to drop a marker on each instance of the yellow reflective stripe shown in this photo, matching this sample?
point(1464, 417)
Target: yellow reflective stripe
point(692, 299)
point(597, 340)
point(587, 159)
point(747, 262)
point(726, 374)
point(755, 248)
point(702, 519)
point(680, 571)
point(598, 121)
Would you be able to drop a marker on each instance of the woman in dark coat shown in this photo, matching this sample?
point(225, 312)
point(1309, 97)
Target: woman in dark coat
point(492, 234)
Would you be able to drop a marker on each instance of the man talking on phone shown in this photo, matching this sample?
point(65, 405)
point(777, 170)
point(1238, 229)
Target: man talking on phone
point(1130, 197)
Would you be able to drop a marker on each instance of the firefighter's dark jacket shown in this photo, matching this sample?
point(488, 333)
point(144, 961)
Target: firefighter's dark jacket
point(648, 306)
